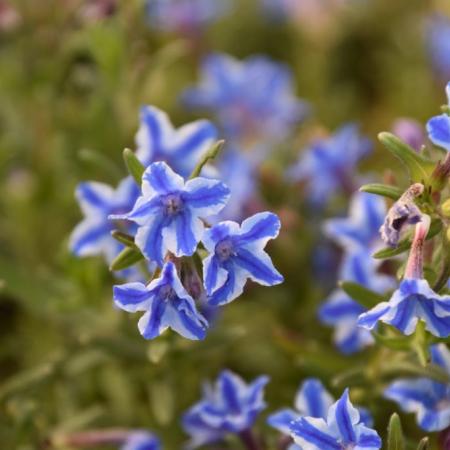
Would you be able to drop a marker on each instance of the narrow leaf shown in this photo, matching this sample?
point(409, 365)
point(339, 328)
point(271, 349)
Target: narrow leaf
point(396, 441)
point(385, 190)
point(404, 368)
point(134, 166)
point(210, 155)
point(424, 444)
point(394, 343)
point(361, 294)
point(123, 238)
point(419, 168)
point(126, 258)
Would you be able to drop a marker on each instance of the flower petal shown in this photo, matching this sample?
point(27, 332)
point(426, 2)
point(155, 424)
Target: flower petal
point(90, 237)
point(95, 198)
point(282, 420)
point(182, 316)
point(313, 434)
point(150, 240)
point(438, 128)
point(214, 275)
point(151, 324)
point(206, 197)
point(160, 179)
point(259, 228)
point(343, 417)
point(131, 297)
point(313, 399)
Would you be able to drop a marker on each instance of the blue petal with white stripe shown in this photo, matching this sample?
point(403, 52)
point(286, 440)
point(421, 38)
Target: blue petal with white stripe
point(237, 254)
point(342, 429)
point(169, 212)
point(414, 300)
point(166, 304)
point(426, 398)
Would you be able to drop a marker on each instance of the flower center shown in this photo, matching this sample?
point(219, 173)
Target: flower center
point(173, 204)
point(225, 250)
point(167, 293)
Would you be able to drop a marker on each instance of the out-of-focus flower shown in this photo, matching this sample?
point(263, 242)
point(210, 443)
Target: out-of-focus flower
point(438, 43)
point(328, 165)
point(141, 440)
point(97, 201)
point(181, 149)
point(342, 312)
point(169, 212)
point(409, 131)
point(10, 18)
point(237, 254)
point(361, 228)
point(312, 400)
point(253, 99)
point(166, 304)
point(184, 16)
point(95, 10)
point(414, 300)
point(231, 406)
point(402, 213)
point(343, 429)
point(428, 399)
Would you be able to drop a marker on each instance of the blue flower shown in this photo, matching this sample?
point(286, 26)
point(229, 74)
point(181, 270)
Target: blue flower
point(342, 430)
point(428, 399)
point(141, 440)
point(97, 201)
point(231, 406)
point(328, 165)
point(438, 129)
point(237, 254)
point(169, 212)
point(312, 400)
point(414, 300)
point(166, 304)
point(438, 39)
point(361, 228)
point(253, 98)
point(342, 312)
point(181, 148)
point(184, 15)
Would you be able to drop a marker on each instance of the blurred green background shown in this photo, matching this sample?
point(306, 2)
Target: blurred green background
point(70, 92)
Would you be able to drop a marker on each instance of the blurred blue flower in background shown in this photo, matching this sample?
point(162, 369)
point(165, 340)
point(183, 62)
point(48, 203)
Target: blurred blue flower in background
point(184, 15)
point(409, 131)
point(428, 399)
point(237, 254)
point(438, 44)
point(97, 201)
point(141, 440)
point(181, 149)
point(342, 429)
point(312, 400)
point(361, 228)
point(252, 99)
point(166, 304)
point(342, 312)
point(169, 212)
point(328, 165)
point(231, 406)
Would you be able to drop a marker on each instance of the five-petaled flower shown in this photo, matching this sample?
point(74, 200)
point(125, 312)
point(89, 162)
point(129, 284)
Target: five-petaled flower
point(166, 304)
point(252, 98)
point(232, 406)
point(169, 213)
point(327, 166)
point(181, 149)
point(342, 430)
point(427, 398)
point(237, 254)
point(141, 440)
point(97, 201)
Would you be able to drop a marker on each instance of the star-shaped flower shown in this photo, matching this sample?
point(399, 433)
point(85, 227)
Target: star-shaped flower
point(166, 304)
point(181, 149)
point(237, 254)
point(428, 399)
point(169, 212)
point(361, 228)
point(97, 201)
point(231, 406)
point(312, 400)
point(342, 430)
point(328, 165)
point(252, 98)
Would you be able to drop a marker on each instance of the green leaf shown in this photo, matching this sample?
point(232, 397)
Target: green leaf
point(424, 444)
point(134, 166)
point(361, 294)
point(419, 168)
point(123, 238)
point(126, 258)
point(405, 368)
point(395, 343)
point(385, 190)
point(210, 155)
point(396, 441)
point(405, 244)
